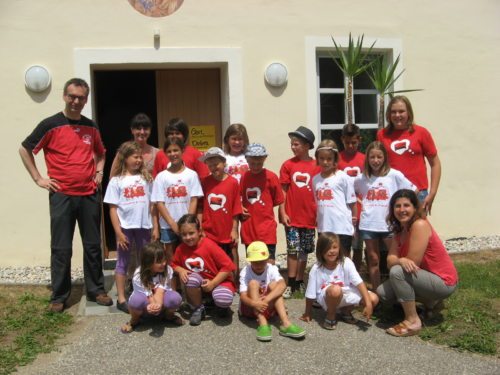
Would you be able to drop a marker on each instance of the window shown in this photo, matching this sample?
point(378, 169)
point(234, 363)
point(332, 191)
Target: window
point(331, 94)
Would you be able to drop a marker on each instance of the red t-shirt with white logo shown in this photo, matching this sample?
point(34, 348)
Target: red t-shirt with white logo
point(69, 147)
point(189, 157)
point(407, 152)
point(207, 259)
point(300, 205)
point(353, 166)
point(221, 203)
point(259, 194)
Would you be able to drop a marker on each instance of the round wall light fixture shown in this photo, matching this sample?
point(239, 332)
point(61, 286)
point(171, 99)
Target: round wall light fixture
point(37, 78)
point(276, 74)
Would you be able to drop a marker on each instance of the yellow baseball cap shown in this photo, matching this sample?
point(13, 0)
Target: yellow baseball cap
point(257, 251)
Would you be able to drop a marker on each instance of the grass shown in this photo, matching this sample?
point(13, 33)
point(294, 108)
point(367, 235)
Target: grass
point(470, 320)
point(26, 327)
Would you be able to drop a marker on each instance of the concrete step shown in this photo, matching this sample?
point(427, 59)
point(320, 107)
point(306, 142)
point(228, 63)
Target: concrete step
point(88, 308)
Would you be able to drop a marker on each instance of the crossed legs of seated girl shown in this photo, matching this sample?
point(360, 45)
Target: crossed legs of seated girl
point(195, 286)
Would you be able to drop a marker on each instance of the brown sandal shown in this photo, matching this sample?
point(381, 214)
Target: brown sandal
point(402, 330)
point(129, 327)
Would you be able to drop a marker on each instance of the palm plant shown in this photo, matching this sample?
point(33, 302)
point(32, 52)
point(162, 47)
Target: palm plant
point(381, 73)
point(352, 62)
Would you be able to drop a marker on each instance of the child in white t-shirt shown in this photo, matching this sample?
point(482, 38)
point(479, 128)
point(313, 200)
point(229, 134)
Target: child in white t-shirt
point(336, 285)
point(376, 186)
point(235, 144)
point(175, 191)
point(261, 294)
point(128, 195)
point(335, 198)
point(153, 294)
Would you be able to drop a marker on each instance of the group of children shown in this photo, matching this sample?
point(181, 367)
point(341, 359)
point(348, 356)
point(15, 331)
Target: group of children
point(199, 218)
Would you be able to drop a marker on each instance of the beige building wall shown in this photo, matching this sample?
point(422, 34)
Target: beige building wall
point(449, 49)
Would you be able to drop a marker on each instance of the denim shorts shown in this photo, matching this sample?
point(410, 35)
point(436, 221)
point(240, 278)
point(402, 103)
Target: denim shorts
point(422, 194)
point(371, 235)
point(168, 236)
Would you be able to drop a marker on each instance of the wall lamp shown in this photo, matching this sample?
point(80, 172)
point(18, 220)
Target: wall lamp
point(37, 78)
point(276, 74)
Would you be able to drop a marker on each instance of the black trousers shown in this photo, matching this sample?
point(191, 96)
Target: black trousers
point(65, 211)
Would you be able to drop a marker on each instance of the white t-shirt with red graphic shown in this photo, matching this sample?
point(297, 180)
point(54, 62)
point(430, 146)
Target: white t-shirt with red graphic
point(376, 192)
point(407, 152)
point(299, 204)
point(353, 166)
point(344, 275)
point(158, 281)
point(206, 259)
point(221, 202)
point(270, 274)
point(176, 191)
point(132, 196)
point(332, 195)
point(259, 194)
point(236, 166)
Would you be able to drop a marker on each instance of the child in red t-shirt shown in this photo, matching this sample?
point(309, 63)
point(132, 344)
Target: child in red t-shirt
point(220, 207)
point(298, 215)
point(203, 267)
point(178, 128)
point(352, 162)
point(260, 192)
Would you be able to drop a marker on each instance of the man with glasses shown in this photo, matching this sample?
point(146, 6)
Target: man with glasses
point(74, 156)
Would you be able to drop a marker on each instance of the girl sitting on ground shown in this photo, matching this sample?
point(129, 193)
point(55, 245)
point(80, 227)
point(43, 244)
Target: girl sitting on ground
point(152, 293)
point(336, 285)
point(203, 267)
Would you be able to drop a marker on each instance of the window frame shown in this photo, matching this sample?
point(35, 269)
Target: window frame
point(317, 47)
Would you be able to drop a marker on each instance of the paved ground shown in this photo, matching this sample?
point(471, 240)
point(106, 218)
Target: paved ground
point(222, 346)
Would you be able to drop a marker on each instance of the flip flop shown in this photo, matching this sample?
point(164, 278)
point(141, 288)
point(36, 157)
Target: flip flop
point(329, 324)
point(348, 318)
point(174, 319)
point(402, 330)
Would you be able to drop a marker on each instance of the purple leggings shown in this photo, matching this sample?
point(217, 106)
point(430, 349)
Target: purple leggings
point(223, 297)
point(139, 301)
point(137, 238)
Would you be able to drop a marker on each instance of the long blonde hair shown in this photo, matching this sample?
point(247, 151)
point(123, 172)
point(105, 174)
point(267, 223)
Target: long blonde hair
point(128, 149)
point(376, 145)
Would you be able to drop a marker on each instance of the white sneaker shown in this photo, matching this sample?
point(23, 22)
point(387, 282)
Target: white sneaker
point(287, 294)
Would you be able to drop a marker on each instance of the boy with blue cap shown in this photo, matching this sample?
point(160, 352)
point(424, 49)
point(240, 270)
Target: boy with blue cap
point(260, 193)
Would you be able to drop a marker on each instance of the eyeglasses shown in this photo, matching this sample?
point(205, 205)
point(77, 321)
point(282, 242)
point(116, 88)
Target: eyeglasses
point(74, 97)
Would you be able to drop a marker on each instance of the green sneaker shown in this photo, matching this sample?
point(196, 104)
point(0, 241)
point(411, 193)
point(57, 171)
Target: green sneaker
point(293, 331)
point(264, 333)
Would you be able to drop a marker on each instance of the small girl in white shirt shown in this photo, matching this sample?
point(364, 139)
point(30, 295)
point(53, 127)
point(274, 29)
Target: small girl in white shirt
point(335, 198)
point(376, 186)
point(153, 294)
point(335, 284)
point(128, 195)
point(235, 144)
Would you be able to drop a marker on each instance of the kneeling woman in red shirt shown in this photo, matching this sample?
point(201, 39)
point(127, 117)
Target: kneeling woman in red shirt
point(420, 267)
point(203, 267)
